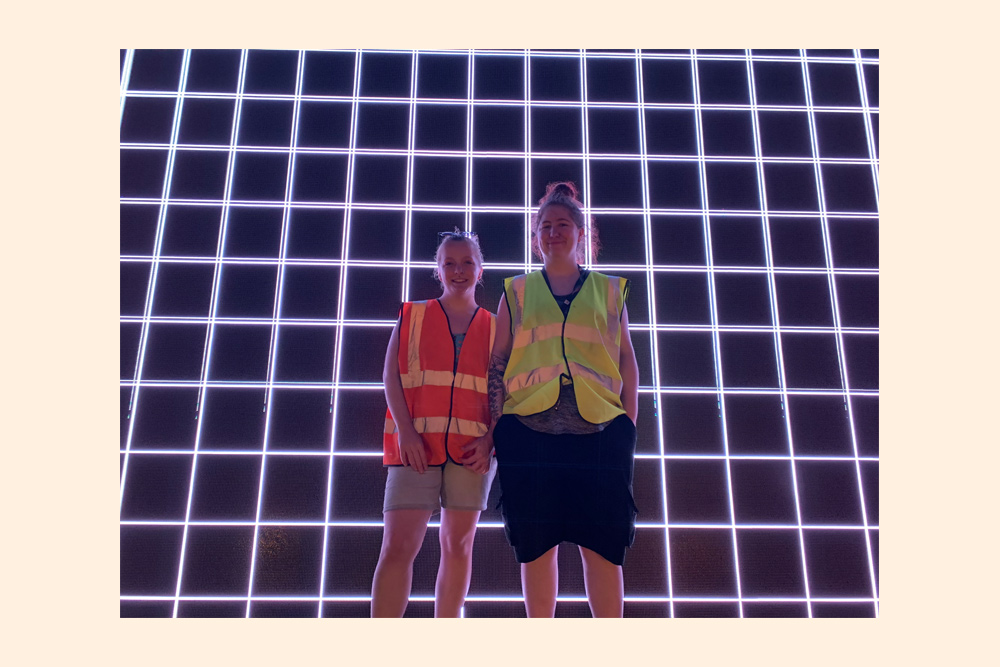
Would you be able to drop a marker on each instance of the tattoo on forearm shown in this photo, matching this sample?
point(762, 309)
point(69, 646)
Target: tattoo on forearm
point(494, 386)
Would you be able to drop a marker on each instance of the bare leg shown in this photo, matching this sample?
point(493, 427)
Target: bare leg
point(401, 540)
point(540, 583)
point(604, 584)
point(458, 529)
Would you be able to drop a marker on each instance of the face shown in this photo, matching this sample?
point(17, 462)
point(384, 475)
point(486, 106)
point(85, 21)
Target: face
point(558, 236)
point(458, 266)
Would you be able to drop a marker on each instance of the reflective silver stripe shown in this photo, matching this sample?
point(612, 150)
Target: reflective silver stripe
point(525, 337)
point(429, 378)
point(471, 382)
point(533, 377)
point(614, 307)
point(517, 308)
point(417, 312)
point(443, 379)
point(468, 427)
point(612, 385)
point(584, 334)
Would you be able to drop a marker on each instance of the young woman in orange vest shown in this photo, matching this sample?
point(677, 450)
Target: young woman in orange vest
point(435, 386)
point(563, 387)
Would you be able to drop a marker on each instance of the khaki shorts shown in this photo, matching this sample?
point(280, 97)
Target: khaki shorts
point(452, 487)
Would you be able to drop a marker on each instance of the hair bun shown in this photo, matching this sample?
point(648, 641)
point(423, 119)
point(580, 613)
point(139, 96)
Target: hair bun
point(561, 189)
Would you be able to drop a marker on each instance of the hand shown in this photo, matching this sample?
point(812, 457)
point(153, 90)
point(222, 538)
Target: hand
point(478, 453)
point(411, 450)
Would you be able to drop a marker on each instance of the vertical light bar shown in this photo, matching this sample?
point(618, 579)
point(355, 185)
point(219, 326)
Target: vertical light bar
point(713, 312)
point(647, 223)
point(776, 320)
point(869, 135)
point(210, 331)
point(585, 131)
point(283, 246)
point(528, 257)
point(341, 298)
point(123, 83)
point(151, 284)
point(824, 221)
point(408, 188)
point(469, 106)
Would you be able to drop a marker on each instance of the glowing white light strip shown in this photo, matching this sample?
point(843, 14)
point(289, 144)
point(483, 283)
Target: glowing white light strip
point(470, 90)
point(647, 222)
point(276, 329)
point(714, 317)
point(869, 135)
point(209, 338)
point(407, 263)
point(824, 225)
point(375, 454)
point(529, 201)
point(777, 329)
point(341, 299)
point(147, 310)
point(837, 327)
point(491, 525)
point(585, 131)
point(123, 84)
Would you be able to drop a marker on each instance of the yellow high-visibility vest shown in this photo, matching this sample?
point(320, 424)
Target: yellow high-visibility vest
point(582, 347)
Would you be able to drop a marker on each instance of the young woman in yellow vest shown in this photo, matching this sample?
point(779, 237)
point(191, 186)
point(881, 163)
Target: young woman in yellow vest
point(435, 386)
point(563, 386)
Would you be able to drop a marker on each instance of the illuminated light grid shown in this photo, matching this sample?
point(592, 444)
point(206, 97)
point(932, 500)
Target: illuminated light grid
point(181, 289)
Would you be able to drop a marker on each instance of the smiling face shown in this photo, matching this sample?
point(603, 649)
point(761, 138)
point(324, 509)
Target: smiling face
point(458, 266)
point(558, 236)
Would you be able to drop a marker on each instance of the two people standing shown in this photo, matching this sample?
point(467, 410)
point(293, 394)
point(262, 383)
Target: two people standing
point(551, 390)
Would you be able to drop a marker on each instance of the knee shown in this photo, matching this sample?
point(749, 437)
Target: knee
point(399, 549)
point(456, 546)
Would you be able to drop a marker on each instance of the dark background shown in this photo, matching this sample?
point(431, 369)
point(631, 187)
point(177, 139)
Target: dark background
point(276, 206)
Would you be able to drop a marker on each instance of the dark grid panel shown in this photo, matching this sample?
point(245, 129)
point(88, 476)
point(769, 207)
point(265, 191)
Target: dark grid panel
point(738, 192)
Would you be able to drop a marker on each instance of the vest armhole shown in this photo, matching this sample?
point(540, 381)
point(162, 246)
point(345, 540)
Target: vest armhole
point(625, 291)
point(510, 315)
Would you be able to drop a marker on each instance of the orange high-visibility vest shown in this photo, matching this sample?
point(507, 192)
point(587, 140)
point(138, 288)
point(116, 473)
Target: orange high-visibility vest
point(447, 402)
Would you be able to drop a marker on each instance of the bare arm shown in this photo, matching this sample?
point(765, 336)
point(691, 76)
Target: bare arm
point(479, 449)
point(629, 369)
point(411, 445)
point(502, 345)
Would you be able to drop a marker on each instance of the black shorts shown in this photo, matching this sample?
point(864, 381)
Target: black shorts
point(566, 488)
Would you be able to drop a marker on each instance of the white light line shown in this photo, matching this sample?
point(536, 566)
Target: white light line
point(335, 374)
point(824, 222)
point(776, 323)
point(658, 526)
point(529, 200)
point(147, 311)
point(209, 333)
point(377, 454)
point(341, 298)
point(647, 222)
point(123, 84)
point(869, 135)
point(585, 132)
point(276, 330)
point(714, 317)
point(469, 102)
point(842, 360)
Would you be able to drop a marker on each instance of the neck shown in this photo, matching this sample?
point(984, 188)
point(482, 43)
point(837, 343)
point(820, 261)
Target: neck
point(560, 267)
point(466, 299)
